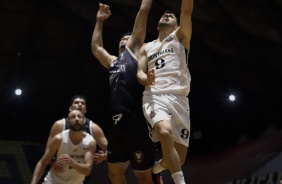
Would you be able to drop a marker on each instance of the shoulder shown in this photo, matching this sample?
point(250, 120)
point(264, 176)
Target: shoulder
point(58, 138)
point(130, 52)
point(59, 123)
point(88, 138)
point(143, 48)
point(92, 144)
point(97, 132)
point(57, 127)
point(95, 127)
point(150, 44)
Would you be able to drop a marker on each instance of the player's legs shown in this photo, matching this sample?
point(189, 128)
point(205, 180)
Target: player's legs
point(144, 176)
point(182, 152)
point(170, 156)
point(169, 117)
point(116, 172)
point(118, 159)
point(143, 150)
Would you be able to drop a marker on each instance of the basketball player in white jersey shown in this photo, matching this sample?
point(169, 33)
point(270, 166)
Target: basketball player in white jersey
point(163, 70)
point(74, 150)
point(78, 102)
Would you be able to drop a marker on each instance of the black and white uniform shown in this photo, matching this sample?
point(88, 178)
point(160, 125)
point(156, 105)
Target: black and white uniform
point(167, 98)
point(129, 137)
point(86, 128)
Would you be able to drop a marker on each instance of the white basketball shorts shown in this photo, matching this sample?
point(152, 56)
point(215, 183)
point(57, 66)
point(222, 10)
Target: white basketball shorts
point(173, 108)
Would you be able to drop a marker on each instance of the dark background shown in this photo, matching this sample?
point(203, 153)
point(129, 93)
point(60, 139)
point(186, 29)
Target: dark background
point(235, 49)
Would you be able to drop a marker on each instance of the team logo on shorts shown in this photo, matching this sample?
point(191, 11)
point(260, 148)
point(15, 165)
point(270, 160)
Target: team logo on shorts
point(152, 114)
point(138, 156)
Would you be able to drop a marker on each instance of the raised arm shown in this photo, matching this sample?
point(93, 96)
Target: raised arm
point(97, 38)
point(139, 29)
point(185, 29)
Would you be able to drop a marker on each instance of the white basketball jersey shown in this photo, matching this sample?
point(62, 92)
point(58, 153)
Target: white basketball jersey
point(168, 59)
point(76, 152)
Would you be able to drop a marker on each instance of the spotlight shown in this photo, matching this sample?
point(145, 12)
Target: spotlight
point(18, 92)
point(232, 98)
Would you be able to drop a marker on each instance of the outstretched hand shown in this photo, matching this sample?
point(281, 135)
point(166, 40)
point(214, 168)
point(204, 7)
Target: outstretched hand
point(104, 12)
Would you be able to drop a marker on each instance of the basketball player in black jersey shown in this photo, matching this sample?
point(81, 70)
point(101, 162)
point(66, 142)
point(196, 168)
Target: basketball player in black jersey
point(129, 137)
point(78, 102)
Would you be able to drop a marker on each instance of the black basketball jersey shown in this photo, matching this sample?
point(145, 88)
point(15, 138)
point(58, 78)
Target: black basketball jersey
point(126, 92)
point(86, 126)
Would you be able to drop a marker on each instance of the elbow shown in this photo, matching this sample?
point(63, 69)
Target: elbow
point(94, 49)
point(141, 80)
point(43, 164)
point(138, 78)
point(88, 169)
point(187, 13)
point(95, 45)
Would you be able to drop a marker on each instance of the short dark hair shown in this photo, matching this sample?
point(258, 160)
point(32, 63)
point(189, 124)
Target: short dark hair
point(128, 33)
point(171, 12)
point(77, 96)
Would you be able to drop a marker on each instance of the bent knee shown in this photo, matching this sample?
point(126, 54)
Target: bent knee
point(165, 136)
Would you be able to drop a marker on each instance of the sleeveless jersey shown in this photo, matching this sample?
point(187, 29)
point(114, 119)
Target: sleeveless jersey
point(70, 175)
point(126, 92)
point(86, 127)
point(168, 59)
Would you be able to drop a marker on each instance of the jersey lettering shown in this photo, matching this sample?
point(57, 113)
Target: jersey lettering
point(163, 52)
